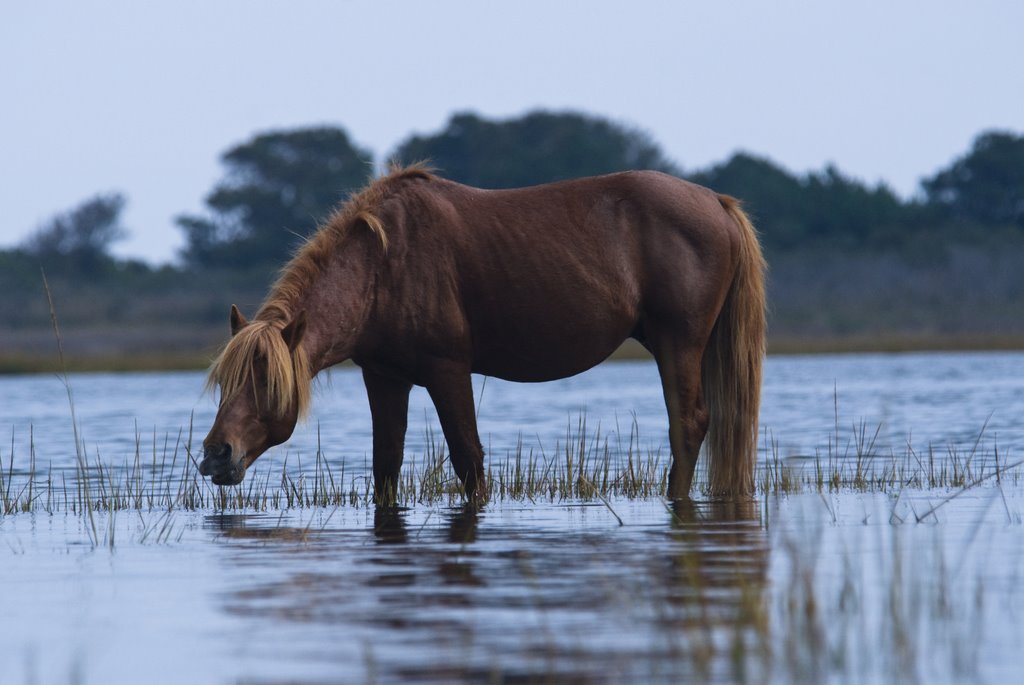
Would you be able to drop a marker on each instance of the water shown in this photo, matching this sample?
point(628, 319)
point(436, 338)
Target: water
point(868, 587)
point(795, 589)
point(923, 399)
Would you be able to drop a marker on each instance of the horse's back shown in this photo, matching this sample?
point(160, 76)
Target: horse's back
point(631, 240)
point(551, 279)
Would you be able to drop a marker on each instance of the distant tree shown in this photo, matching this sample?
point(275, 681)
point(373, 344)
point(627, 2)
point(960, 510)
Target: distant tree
point(821, 207)
point(277, 189)
point(985, 185)
point(536, 148)
point(81, 237)
point(848, 212)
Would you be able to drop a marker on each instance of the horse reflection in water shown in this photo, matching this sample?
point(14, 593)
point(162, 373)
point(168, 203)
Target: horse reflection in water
point(471, 594)
point(715, 578)
point(389, 524)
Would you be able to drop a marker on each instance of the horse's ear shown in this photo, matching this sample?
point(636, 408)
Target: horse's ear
point(238, 322)
point(293, 332)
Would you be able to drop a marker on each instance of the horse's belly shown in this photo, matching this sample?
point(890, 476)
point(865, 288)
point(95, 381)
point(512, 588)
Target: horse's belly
point(546, 349)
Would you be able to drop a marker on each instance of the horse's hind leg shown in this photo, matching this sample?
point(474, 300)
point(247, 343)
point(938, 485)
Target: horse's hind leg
point(389, 409)
point(451, 389)
point(679, 367)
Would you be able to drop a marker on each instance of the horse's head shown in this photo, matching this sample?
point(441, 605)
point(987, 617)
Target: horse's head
point(264, 381)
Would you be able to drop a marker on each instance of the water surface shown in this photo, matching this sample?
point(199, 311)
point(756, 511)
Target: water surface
point(794, 589)
point(808, 403)
point(907, 586)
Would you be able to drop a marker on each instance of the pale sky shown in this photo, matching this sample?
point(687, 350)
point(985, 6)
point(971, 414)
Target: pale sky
point(143, 97)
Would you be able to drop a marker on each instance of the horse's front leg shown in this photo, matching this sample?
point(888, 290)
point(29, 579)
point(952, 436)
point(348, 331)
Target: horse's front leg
point(451, 389)
point(389, 409)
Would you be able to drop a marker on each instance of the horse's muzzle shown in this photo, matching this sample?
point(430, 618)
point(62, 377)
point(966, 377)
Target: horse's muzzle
point(218, 465)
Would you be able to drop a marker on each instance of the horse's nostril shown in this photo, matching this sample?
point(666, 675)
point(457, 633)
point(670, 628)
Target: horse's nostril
point(217, 452)
point(215, 457)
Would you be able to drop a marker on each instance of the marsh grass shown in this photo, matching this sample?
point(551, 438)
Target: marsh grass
point(586, 465)
point(725, 609)
point(879, 603)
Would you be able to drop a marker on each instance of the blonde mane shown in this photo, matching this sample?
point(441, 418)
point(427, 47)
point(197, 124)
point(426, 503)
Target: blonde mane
point(289, 376)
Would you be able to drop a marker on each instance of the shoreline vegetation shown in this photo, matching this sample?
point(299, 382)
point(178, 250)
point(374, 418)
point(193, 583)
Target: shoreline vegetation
point(47, 361)
point(586, 466)
point(853, 267)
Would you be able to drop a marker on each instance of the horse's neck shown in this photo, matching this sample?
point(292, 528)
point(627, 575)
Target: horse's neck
point(337, 305)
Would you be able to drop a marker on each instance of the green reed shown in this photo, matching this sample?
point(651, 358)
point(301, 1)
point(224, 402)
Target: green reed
point(585, 465)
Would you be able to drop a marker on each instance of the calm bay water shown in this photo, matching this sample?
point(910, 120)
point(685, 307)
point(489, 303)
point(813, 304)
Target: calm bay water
point(863, 587)
point(926, 399)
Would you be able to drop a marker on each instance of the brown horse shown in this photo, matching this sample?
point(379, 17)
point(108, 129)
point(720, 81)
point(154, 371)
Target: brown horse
point(423, 281)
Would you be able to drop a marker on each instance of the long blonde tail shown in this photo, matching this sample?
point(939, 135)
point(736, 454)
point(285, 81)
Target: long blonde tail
point(731, 369)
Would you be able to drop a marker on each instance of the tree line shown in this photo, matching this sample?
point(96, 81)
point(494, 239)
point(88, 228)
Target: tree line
point(278, 186)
